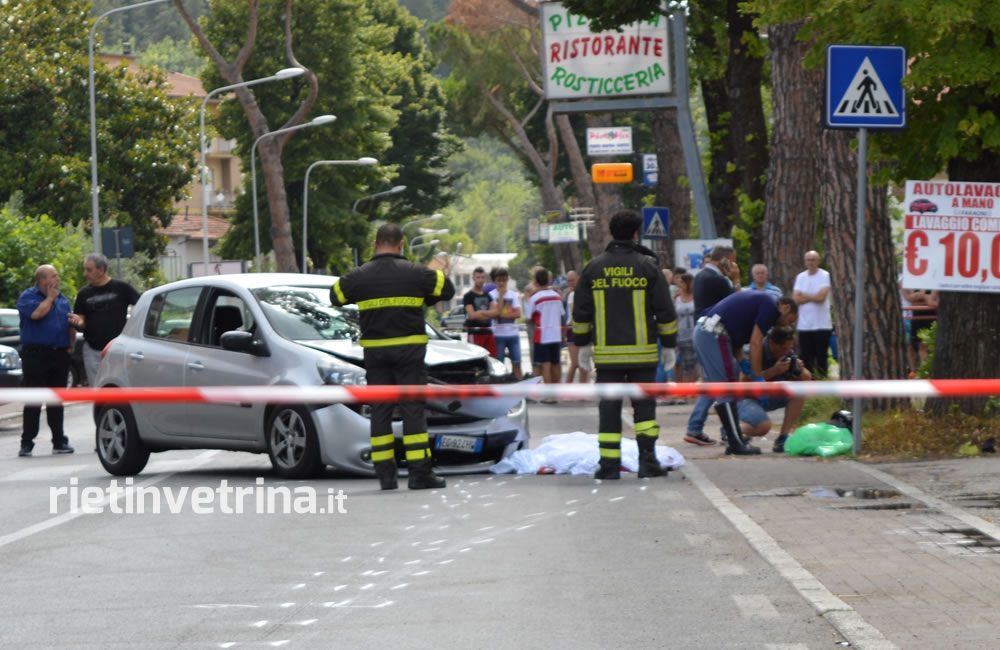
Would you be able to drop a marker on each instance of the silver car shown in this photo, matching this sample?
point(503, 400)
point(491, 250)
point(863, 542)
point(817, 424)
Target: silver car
point(271, 329)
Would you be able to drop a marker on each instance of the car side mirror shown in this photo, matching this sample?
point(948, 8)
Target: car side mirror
point(238, 341)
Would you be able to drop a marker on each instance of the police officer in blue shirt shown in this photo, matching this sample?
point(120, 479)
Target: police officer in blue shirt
point(46, 346)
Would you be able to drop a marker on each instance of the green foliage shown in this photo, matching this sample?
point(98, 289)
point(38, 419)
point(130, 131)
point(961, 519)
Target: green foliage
point(928, 337)
point(26, 243)
point(494, 201)
point(145, 26)
point(429, 10)
point(953, 81)
point(145, 143)
point(175, 56)
point(609, 14)
point(388, 106)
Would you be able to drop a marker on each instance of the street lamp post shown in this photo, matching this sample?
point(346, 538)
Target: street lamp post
point(393, 190)
point(287, 73)
point(417, 241)
point(93, 123)
point(396, 189)
point(433, 217)
point(317, 121)
point(366, 161)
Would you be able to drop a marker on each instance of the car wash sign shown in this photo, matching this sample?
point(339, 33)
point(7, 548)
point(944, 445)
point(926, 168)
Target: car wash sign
point(952, 236)
point(581, 64)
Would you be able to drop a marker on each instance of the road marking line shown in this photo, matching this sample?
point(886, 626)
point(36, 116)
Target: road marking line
point(59, 520)
point(756, 606)
point(842, 616)
point(980, 524)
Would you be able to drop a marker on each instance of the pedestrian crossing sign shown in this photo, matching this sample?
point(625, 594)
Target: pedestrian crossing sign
point(864, 87)
point(655, 223)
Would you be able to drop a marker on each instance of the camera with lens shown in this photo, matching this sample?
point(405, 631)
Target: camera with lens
point(793, 372)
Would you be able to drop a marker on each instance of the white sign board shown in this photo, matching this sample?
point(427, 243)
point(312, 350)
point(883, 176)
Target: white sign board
point(952, 236)
point(561, 233)
point(603, 141)
point(579, 63)
point(692, 253)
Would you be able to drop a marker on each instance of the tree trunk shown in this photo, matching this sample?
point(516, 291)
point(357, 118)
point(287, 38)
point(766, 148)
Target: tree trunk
point(277, 202)
point(581, 180)
point(967, 341)
point(884, 344)
point(791, 211)
point(673, 188)
point(747, 130)
point(705, 15)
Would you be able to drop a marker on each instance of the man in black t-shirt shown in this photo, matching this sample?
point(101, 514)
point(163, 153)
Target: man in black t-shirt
point(100, 311)
point(477, 303)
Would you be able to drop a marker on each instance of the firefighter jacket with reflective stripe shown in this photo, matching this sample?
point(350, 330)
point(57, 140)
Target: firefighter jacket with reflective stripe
point(390, 292)
point(622, 304)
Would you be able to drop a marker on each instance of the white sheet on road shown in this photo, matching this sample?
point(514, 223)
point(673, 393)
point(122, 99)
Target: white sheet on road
point(577, 453)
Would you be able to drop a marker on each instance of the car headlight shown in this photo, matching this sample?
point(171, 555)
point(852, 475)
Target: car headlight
point(497, 368)
point(334, 371)
point(10, 359)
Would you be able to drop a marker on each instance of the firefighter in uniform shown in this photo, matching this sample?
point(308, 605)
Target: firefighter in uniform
point(390, 293)
point(622, 304)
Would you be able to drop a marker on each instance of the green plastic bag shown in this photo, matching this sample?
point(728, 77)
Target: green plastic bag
point(819, 440)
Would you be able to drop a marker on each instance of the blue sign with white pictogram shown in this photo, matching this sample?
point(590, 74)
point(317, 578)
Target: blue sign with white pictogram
point(649, 169)
point(656, 223)
point(864, 87)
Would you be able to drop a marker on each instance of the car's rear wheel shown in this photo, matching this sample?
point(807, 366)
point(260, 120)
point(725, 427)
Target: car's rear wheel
point(119, 448)
point(292, 443)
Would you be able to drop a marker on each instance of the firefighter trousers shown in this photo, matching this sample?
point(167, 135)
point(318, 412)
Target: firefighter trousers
point(395, 365)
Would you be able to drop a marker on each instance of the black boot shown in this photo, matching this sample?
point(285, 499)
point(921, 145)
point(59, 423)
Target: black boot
point(737, 445)
point(386, 472)
point(609, 469)
point(649, 466)
point(422, 476)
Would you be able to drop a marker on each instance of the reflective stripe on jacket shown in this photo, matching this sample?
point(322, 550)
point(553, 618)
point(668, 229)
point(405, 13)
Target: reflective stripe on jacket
point(390, 292)
point(622, 305)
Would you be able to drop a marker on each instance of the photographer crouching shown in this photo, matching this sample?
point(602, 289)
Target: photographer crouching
point(779, 363)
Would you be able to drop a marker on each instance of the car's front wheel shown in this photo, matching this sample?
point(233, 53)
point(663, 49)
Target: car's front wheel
point(292, 443)
point(118, 445)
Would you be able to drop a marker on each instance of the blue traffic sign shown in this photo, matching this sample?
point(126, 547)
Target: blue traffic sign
point(649, 169)
point(655, 223)
point(864, 87)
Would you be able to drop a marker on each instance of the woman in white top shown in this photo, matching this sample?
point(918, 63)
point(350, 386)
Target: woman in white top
point(686, 368)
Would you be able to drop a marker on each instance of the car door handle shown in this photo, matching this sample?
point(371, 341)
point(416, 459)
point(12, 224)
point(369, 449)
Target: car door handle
point(196, 365)
point(138, 356)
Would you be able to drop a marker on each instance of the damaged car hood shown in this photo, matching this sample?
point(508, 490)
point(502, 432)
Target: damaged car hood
point(439, 353)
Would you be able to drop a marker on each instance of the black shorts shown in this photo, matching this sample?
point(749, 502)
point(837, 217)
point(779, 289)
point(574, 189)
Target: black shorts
point(546, 353)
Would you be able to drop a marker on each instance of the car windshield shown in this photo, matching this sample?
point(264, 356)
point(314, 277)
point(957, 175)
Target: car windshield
point(304, 313)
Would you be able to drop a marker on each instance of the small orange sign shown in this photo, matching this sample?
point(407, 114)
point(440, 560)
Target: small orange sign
point(611, 172)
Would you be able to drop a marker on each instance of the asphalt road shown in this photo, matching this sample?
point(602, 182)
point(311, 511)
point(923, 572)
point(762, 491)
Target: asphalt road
point(489, 561)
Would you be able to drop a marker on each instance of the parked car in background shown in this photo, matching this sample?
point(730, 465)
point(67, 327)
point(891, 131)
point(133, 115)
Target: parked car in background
point(269, 329)
point(10, 334)
point(10, 367)
point(454, 319)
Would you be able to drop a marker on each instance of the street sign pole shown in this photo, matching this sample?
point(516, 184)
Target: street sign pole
point(859, 276)
point(864, 89)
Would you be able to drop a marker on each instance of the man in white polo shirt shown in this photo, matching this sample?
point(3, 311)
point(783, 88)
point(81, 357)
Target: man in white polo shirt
point(812, 295)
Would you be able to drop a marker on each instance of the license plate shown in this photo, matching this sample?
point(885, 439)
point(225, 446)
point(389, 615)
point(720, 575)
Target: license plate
point(459, 443)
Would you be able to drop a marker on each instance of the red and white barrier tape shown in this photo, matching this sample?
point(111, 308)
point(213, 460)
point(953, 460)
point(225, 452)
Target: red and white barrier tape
point(578, 392)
